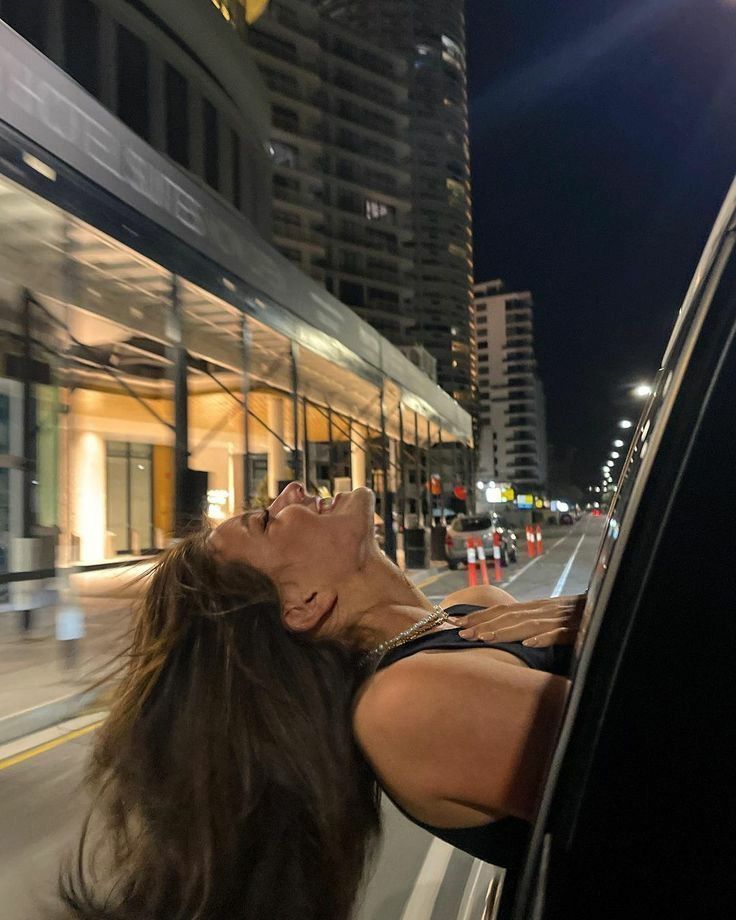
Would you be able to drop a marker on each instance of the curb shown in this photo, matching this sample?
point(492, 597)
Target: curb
point(49, 714)
point(417, 575)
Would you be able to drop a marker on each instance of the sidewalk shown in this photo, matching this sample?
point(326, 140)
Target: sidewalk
point(38, 688)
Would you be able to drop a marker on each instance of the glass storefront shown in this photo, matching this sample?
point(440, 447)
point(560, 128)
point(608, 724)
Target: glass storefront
point(129, 498)
point(128, 382)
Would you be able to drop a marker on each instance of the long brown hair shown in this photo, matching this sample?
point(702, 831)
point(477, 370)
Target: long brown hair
point(228, 783)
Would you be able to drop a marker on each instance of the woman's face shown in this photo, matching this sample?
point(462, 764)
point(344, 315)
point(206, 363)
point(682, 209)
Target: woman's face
point(302, 541)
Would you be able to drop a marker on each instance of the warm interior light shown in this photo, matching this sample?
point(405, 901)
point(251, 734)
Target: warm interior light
point(253, 9)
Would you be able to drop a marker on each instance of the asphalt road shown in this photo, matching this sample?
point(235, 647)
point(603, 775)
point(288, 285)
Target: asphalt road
point(416, 877)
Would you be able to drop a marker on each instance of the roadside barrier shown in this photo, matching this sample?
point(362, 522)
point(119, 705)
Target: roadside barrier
point(540, 547)
point(531, 543)
point(482, 562)
point(497, 556)
point(470, 548)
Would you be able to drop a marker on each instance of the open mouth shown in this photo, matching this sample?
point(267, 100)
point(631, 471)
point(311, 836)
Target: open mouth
point(326, 504)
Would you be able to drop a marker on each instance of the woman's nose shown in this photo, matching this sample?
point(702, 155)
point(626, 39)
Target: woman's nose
point(294, 492)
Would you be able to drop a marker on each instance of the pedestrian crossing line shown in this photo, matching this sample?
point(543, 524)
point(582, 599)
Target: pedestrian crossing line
point(48, 746)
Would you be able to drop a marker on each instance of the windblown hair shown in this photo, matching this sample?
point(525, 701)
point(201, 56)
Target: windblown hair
point(228, 785)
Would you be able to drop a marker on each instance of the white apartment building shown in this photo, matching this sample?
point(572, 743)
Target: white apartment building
point(513, 441)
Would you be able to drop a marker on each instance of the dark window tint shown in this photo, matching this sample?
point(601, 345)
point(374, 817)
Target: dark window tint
point(177, 116)
point(28, 18)
point(211, 144)
point(81, 31)
point(235, 154)
point(133, 82)
point(472, 523)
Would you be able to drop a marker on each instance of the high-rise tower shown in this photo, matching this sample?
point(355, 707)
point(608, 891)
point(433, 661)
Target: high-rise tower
point(431, 34)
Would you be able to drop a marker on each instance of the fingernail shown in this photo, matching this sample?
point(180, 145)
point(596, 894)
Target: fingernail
point(458, 621)
point(467, 633)
point(532, 641)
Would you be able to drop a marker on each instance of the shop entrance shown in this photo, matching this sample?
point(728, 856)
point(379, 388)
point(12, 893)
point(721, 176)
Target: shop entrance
point(129, 498)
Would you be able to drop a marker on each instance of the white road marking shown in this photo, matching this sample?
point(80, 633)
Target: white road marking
point(532, 561)
point(428, 881)
point(478, 876)
point(566, 571)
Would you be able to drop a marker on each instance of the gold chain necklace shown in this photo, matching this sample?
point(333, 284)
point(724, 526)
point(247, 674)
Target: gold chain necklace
point(437, 616)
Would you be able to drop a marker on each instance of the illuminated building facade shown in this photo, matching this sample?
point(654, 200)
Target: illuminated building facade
point(513, 441)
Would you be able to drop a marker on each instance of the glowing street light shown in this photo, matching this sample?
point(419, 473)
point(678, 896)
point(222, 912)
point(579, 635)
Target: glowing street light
point(615, 454)
point(609, 463)
point(625, 423)
point(642, 391)
point(618, 443)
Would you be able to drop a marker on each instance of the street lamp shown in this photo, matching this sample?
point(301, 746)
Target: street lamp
point(642, 391)
point(625, 423)
point(618, 443)
point(615, 454)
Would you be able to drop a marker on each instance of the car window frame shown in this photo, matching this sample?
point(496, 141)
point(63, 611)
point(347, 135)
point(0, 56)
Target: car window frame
point(641, 458)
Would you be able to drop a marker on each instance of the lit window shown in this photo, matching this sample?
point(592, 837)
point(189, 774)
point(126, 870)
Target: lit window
point(456, 192)
point(284, 154)
point(376, 210)
point(451, 52)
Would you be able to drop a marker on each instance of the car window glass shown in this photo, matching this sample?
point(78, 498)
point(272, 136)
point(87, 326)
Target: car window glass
point(474, 523)
point(715, 259)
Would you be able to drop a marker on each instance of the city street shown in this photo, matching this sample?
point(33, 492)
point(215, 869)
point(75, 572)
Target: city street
point(416, 876)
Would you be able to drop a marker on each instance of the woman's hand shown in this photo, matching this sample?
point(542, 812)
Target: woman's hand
point(539, 623)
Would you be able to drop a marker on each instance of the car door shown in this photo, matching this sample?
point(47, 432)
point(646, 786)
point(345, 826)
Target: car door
point(637, 818)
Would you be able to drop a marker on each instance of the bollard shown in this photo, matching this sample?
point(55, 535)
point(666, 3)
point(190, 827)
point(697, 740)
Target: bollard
point(497, 555)
point(540, 548)
point(530, 542)
point(482, 562)
point(470, 547)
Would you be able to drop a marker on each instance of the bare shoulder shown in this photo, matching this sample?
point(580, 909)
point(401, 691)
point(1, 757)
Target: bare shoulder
point(459, 728)
point(482, 595)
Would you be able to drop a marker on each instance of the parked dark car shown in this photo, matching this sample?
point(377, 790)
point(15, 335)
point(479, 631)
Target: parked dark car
point(637, 817)
point(479, 527)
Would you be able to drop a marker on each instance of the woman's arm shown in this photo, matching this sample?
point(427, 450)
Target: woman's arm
point(456, 737)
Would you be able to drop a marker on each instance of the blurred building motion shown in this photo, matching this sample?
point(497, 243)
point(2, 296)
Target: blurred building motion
point(513, 439)
point(158, 356)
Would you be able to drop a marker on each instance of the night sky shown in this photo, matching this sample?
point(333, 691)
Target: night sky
point(603, 140)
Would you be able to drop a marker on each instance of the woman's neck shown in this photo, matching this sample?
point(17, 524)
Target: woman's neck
point(379, 603)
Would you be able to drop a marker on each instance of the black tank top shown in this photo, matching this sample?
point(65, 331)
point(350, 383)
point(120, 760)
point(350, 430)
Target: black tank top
point(501, 842)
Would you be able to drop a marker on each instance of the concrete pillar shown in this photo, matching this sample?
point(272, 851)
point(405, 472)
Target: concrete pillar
point(358, 456)
point(393, 460)
point(278, 455)
point(89, 483)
